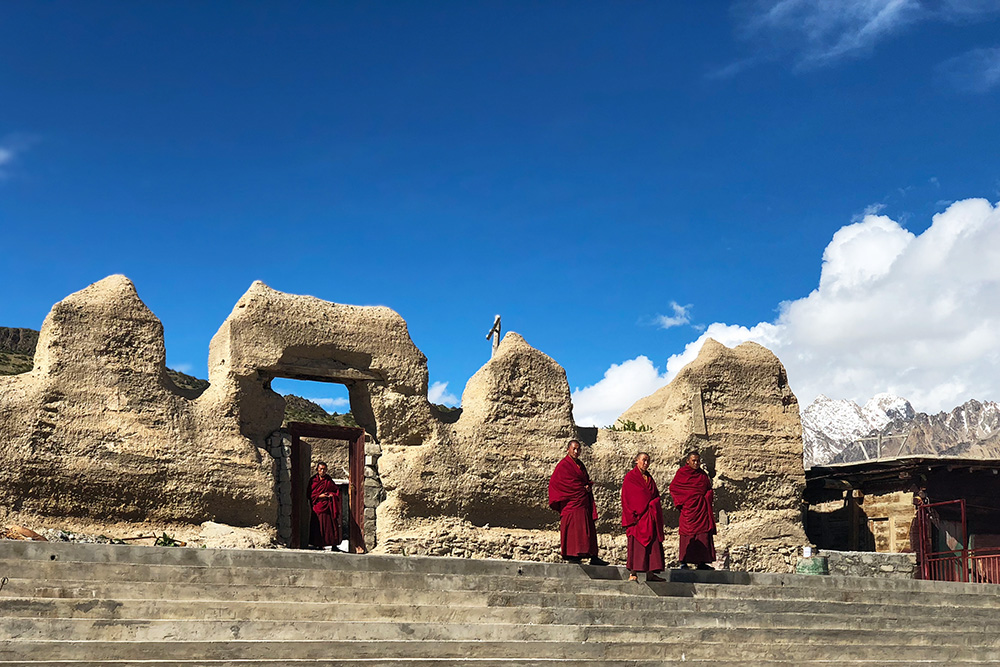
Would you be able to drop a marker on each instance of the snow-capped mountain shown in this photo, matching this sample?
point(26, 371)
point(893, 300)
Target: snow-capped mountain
point(833, 430)
point(884, 409)
point(829, 425)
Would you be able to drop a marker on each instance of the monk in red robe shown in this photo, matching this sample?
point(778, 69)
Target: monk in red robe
point(325, 498)
point(642, 517)
point(691, 490)
point(571, 494)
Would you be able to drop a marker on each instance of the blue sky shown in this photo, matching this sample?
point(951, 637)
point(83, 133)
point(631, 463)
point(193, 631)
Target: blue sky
point(586, 169)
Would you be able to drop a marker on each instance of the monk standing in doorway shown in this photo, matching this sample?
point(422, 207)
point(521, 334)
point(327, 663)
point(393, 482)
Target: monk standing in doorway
point(692, 494)
point(642, 517)
point(325, 498)
point(571, 494)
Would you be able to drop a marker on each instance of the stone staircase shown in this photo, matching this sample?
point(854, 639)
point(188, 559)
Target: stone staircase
point(90, 605)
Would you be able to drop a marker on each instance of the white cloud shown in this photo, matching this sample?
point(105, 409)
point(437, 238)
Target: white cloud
point(623, 384)
point(975, 71)
point(6, 158)
point(820, 32)
point(11, 147)
point(183, 368)
point(438, 394)
point(332, 404)
point(915, 315)
point(680, 317)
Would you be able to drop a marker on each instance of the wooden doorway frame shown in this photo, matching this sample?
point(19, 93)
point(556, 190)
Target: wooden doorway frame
point(301, 468)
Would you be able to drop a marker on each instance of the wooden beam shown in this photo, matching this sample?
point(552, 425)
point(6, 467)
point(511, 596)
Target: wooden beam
point(321, 373)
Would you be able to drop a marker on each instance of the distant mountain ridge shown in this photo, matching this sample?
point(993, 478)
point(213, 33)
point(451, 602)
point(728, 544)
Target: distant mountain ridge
point(840, 431)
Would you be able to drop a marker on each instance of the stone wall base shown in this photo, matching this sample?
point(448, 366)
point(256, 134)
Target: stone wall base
point(453, 537)
point(871, 564)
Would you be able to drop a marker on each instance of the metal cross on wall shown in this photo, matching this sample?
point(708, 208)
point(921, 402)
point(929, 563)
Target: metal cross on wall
point(494, 334)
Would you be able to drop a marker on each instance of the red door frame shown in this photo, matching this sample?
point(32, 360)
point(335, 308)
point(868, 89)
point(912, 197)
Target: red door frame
point(356, 472)
point(933, 565)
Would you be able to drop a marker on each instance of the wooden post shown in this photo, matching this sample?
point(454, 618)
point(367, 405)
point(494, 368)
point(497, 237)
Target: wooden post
point(494, 335)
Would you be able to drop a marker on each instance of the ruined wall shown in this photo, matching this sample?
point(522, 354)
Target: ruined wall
point(734, 406)
point(98, 431)
point(492, 465)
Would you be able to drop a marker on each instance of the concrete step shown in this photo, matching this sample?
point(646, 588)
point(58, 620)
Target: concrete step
point(54, 572)
point(357, 571)
point(280, 559)
point(145, 630)
point(190, 600)
point(68, 579)
point(266, 561)
point(704, 648)
point(463, 662)
point(381, 662)
point(698, 614)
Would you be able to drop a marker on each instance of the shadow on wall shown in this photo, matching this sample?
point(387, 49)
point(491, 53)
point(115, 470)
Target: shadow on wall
point(844, 528)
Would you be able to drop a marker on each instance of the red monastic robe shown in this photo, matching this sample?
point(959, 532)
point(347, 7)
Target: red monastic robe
point(692, 493)
point(642, 517)
point(326, 511)
point(570, 495)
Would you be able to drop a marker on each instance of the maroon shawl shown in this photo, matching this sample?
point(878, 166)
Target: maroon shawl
point(319, 485)
point(642, 514)
point(692, 494)
point(569, 487)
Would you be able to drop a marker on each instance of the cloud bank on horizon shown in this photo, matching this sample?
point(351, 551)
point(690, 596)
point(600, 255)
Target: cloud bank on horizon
point(914, 315)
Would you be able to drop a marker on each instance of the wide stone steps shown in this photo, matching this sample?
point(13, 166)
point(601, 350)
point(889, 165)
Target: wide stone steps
point(79, 605)
point(807, 615)
point(125, 601)
point(707, 649)
point(70, 579)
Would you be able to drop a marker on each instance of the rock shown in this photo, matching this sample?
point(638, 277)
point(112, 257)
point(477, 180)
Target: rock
point(220, 536)
point(733, 406)
point(22, 533)
point(519, 391)
point(18, 341)
point(491, 466)
point(98, 431)
point(271, 334)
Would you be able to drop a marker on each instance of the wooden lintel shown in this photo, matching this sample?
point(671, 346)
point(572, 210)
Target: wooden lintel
point(320, 374)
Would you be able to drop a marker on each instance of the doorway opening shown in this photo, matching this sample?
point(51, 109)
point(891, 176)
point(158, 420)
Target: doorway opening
point(301, 465)
point(324, 429)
